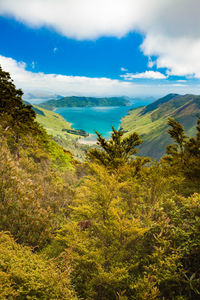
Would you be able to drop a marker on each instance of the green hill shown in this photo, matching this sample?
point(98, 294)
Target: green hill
point(54, 124)
point(151, 121)
point(83, 102)
point(62, 132)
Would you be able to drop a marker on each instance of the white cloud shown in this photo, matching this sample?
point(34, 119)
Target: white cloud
point(171, 27)
point(42, 85)
point(181, 80)
point(80, 19)
point(144, 75)
point(123, 69)
point(33, 65)
point(181, 56)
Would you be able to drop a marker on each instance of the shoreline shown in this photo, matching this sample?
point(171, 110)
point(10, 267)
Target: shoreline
point(90, 140)
point(84, 142)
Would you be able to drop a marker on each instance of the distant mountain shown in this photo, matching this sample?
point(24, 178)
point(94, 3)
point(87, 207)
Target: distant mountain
point(35, 98)
point(151, 121)
point(84, 101)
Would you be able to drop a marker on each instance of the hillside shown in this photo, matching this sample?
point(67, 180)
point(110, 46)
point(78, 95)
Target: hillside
point(54, 124)
point(151, 121)
point(62, 132)
point(84, 101)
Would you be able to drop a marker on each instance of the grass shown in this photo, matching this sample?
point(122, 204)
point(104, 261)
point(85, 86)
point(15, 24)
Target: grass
point(54, 123)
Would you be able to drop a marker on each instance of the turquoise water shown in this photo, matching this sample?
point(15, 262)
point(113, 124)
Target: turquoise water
point(92, 118)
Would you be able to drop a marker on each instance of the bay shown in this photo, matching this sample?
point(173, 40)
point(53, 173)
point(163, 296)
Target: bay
point(99, 118)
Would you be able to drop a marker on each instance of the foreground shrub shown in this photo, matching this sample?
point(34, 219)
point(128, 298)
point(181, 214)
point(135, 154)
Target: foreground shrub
point(33, 198)
point(134, 238)
point(24, 275)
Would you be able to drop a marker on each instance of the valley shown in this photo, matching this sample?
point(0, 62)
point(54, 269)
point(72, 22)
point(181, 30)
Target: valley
point(68, 125)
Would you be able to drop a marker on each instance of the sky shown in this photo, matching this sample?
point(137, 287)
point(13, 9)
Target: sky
point(101, 47)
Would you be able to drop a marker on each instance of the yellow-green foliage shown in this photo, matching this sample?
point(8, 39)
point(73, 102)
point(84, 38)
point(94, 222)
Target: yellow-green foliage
point(124, 228)
point(133, 236)
point(24, 275)
point(61, 159)
point(32, 195)
point(99, 235)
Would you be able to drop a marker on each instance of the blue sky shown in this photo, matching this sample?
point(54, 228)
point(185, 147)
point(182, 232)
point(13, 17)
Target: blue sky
point(101, 48)
point(53, 53)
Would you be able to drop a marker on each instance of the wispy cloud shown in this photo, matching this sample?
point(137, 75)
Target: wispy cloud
point(181, 80)
point(144, 75)
point(123, 69)
point(65, 85)
point(33, 65)
point(151, 63)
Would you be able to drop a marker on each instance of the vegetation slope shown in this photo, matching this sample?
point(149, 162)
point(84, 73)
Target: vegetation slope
point(151, 121)
point(116, 227)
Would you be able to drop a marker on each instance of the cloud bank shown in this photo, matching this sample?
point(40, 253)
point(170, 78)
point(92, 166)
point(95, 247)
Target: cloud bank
point(171, 28)
point(41, 85)
point(48, 84)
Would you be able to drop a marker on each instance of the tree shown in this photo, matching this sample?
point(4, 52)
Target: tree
point(101, 236)
point(11, 101)
point(183, 157)
point(116, 151)
point(17, 119)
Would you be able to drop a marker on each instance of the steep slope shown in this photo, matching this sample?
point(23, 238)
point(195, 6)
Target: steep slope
point(151, 121)
point(84, 101)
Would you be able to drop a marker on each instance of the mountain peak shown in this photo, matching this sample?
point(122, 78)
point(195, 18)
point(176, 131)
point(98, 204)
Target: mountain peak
point(159, 102)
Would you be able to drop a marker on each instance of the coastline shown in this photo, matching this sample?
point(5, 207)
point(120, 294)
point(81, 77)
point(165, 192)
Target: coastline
point(84, 142)
point(90, 140)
